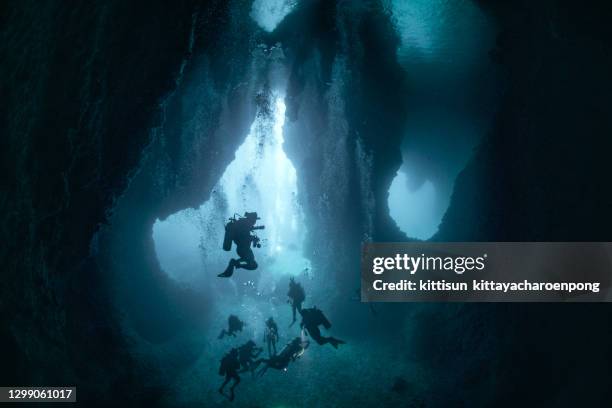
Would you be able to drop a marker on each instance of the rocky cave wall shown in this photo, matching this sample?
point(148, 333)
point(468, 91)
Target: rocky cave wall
point(541, 174)
point(83, 88)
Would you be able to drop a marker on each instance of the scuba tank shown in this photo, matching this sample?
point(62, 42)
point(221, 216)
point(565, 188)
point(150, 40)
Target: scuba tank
point(228, 237)
point(296, 291)
point(300, 295)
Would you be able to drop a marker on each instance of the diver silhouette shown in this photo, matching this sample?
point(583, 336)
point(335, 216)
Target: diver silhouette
point(246, 353)
point(229, 367)
point(271, 336)
point(291, 352)
point(234, 324)
point(311, 320)
point(238, 230)
point(296, 297)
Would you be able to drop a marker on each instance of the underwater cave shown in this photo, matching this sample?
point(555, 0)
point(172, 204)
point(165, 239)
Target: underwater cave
point(260, 178)
point(286, 142)
point(338, 123)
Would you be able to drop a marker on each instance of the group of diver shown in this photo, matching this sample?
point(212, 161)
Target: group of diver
point(246, 357)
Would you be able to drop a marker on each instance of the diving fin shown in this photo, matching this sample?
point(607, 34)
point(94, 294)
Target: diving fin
point(335, 342)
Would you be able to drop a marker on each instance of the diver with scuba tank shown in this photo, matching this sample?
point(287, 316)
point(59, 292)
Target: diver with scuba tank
point(291, 352)
point(271, 335)
point(246, 355)
point(312, 318)
point(296, 296)
point(234, 324)
point(228, 367)
point(239, 231)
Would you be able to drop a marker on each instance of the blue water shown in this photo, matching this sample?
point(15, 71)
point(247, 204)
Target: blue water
point(444, 52)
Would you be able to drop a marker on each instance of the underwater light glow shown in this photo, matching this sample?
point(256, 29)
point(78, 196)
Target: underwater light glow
point(261, 178)
point(269, 13)
point(416, 212)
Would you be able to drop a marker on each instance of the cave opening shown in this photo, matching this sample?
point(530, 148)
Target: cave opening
point(261, 178)
point(415, 208)
point(442, 50)
point(268, 14)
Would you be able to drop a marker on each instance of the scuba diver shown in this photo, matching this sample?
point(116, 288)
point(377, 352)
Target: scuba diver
point(291, 352)
point(229, 368)
point(246, 353)
point(238, 230)
point(296, 297)
point(234, 324)
point(271, 336)
point(311, 320)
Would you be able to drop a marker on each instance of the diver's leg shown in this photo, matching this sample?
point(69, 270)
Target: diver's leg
point(247, 259)
point(334, 341)
point(262, 371)
point(229, 271)
point(257, 362)
point(236, 382)
point(293, 309)
point(222, 334)
point(249, 265)
point(324, 340)
point(315, 333)
point(227, 379)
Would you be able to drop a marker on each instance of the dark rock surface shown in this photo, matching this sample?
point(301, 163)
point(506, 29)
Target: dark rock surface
point(81, 90)
point(542, 174)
